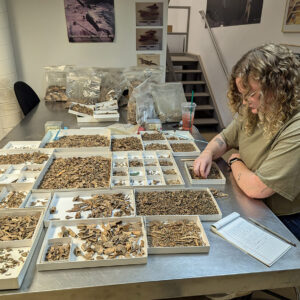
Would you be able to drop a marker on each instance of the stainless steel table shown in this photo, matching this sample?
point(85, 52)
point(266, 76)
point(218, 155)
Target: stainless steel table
point(224, 269)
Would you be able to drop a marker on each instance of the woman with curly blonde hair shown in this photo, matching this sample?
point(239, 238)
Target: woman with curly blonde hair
point(264, 95)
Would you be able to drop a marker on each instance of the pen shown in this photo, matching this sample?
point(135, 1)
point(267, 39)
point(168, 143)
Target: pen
point(271, 231)
point(56, 136)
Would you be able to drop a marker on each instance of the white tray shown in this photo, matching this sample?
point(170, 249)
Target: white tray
point(51, 134)
point(99, 119)
point(15, 279)
point(76, 153)
point(9, 188)
point(173, 250)
point(222, 180)
point(108, 105)
point(79, 262)
point(63, 202)
point(180, 134)
point(73, 112)
point(193, 153)
point(211, 218)
point(22, 145)
point(38, 198)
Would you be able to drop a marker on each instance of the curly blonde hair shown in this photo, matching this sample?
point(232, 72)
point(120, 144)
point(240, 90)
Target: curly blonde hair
point(277, 71)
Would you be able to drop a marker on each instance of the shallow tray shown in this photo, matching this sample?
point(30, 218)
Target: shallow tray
point(78, 262)
point(22, 145)
point(180, 134)
point(108, 105)
point(9, 188)
point(173, 250)
point(51, 134)
point(76, 153)
point(63, 202)
point(212, 217)
point(38, 199)
point(73, 112)
point(192, 153)
point(91, 119)
point(15, 279)
point(222, 180)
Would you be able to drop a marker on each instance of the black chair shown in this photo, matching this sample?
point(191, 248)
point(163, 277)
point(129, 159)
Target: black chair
point(26, 96)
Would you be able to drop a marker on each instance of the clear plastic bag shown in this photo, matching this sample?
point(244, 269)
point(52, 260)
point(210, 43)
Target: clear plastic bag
point(167, 100)
point(113, 84)
point(144, 102)
point(55, 82)
point(134, 76)
point(83, 85)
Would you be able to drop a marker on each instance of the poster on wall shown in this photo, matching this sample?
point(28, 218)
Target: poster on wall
point(291, 22)
point(233, 12)
point(148, 60)
point(149, 14)
point(148, 39)
point(90, 20)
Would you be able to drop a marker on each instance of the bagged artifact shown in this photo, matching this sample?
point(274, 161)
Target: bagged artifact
point(55, 82)
point(167, 100)
point(83, 85)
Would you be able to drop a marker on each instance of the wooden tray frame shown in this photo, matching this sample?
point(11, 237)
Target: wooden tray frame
point(43, 266)
point(209, 218)
point(174, 250)
point(49, 137)
point(205, 182)
point(15, 282)
point(58, 196)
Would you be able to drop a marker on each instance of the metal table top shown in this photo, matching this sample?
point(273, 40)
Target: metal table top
point(224, 269)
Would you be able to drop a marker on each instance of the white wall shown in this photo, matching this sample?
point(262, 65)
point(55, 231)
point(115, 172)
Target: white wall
point(40, 39)
point(10, 113)
point(233, 41)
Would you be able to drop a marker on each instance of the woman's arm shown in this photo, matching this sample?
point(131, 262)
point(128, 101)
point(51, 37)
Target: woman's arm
point(248, 182)
point(214, 149)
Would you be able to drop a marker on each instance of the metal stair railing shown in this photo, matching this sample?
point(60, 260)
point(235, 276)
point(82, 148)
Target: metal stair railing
point(219, 53)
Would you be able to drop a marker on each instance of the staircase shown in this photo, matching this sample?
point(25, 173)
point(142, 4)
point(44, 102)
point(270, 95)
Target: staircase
point(189, 71)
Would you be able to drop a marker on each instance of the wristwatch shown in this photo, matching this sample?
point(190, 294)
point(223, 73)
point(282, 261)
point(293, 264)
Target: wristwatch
point(231, 161)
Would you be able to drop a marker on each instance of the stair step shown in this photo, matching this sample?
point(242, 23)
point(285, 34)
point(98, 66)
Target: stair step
point(193, 82)
point(206, 121)
point(183, 58)
point(197, 94)
point(204, 107)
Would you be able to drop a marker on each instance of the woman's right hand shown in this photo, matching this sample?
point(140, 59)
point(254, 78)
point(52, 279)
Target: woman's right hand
point(203, 164)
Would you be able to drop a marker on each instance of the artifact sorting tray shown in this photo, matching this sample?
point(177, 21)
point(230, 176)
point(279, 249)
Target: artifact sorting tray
point(190, 147)
point(75, 170)
point(81, 109)
point(15, 255)
point(161, 237)
point(38, 199)
point(131, 142)
point(144, 169)
point(215, 170)
point(99, 244)
point(177, 135)
point(108, 105)
point(24, 157)
point(22, 145)
point(10, 197)
point(100, 119)
point(81, 134)
point(102, 203)
point(178, 201)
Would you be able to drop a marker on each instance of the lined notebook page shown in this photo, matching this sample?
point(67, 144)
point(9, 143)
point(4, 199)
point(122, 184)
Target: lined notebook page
point(252, 239)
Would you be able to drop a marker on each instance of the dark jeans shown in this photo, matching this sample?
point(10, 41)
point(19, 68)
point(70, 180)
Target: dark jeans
point(292, 222)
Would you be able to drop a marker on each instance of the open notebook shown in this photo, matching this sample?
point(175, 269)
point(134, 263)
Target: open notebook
point(250, 238)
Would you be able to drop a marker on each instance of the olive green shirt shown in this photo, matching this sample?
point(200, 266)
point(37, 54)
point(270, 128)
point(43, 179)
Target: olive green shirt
point(276, 162)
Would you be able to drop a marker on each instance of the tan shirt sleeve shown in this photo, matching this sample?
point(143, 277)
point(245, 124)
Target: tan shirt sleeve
point(231, 133)
point(281, 169)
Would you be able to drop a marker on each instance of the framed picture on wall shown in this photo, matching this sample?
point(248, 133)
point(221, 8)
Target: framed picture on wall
point(291, 21)
point(148, 60)
point(149, 14)
point(295, 49)
point(148, 39)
